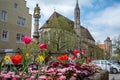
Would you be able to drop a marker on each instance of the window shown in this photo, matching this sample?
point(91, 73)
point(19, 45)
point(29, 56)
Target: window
point(5, 35)
point(96, 62)
point(15, 5)
point(19, 37)
point(21, 21)
point(103, 62)
point(4, 16)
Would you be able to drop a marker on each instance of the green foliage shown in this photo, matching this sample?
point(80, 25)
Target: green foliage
point(117, 57)
point(61, 23)
point(116, 45)
point(61, 36)
point(1, 64)
point(98, 53)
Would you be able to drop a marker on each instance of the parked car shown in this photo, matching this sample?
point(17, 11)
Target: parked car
point(106, 65)
point(114, 62)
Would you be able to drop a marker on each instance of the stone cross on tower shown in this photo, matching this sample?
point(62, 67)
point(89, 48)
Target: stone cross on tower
point(36, 16)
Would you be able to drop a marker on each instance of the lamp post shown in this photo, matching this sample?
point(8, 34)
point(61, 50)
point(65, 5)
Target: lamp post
point(36, 16)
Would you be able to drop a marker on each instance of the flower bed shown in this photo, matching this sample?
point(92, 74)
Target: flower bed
point(55, 71)
point(72, 66)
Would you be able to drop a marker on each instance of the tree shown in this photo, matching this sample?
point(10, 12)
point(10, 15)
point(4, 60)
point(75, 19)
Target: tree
point(61, 35)
point(116, 46)
point(98, 53)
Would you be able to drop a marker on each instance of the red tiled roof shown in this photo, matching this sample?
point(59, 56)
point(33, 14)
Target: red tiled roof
point(102, 46)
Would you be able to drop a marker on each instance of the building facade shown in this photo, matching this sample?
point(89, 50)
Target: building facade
point(80, 37)
point(15, 22)
point(107, 47)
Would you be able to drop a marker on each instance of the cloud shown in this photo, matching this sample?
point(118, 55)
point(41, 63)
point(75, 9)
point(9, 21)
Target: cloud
point(104, 22)
point(65, 7)
point(101, 23)
point(107, 17)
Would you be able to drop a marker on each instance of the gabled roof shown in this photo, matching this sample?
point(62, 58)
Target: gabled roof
point(53, 16)
point(85, 31)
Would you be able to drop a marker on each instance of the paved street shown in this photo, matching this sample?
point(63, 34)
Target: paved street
point(116, 76)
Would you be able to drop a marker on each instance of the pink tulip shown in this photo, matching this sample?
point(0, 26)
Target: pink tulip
point(76, 52)
point(27, 39)
point(83, 51)
point(43, 46)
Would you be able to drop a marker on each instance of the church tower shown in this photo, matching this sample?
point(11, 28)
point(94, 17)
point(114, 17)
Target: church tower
point(77, 27)
point(108, 47)
point(77, 19)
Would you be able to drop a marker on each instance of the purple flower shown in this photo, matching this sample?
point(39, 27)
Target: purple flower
point(59, 74)
point(32, 77)
point(28, 79)
point(14, 78)
point(72, 78)
point(62, 78)
point(49, 78)
point(42, 77)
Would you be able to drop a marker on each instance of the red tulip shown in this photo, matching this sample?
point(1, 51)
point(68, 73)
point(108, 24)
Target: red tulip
point(76, 52)
point(63, 57)
point(73, 57)
point(88, 59)
point(17, 59)
point(43, 46)
point(27, 39)
point(59, 58)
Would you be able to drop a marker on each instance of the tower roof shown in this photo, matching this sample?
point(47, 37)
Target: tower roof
point(107, 39)
point(77, 5)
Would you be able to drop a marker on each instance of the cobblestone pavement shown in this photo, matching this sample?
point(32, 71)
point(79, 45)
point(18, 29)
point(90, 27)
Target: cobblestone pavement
point(114, 76)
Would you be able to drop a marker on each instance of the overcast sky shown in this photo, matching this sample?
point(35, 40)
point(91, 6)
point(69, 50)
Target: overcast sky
point(101, 17)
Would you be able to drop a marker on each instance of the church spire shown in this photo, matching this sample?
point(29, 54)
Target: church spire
point(77, 13)
point(77, 5)
point(77, 26)
point(77, 18)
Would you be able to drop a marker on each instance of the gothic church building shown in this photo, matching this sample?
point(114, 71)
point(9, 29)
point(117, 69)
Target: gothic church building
point(68, 34)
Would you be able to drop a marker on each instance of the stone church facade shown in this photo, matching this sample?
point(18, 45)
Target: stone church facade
point(77, 35)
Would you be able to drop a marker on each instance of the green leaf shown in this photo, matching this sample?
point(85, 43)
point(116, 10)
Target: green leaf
point(1, 64)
